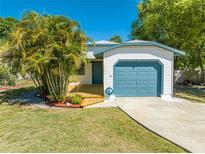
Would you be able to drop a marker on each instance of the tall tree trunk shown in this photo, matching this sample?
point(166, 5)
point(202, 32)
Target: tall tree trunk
point(201, 65)
point(202, 73)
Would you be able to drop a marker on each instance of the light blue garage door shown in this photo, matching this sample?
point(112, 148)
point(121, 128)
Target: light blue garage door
point(137, 78)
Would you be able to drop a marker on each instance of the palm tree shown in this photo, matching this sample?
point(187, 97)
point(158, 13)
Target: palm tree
point(48, 48)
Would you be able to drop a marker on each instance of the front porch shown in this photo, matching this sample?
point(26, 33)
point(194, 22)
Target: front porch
point(91, 94)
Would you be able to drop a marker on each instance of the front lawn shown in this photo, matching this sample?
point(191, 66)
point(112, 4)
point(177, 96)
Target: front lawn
point(15, 93)
point(193, 93)
point(75, 130)
point(22, 87)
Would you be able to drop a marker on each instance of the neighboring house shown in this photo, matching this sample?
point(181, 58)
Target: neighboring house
point(132, 69)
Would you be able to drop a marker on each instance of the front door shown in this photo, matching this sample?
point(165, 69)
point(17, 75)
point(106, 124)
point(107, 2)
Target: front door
point(97, 72)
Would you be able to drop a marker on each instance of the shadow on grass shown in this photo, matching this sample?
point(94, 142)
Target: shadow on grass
point(195, 93)
point(198, 91)
point(21, 96)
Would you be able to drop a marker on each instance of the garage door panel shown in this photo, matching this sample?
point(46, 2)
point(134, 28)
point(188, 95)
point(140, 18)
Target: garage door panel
point(141, 83)
point(122, 92)
point(121, 83)
point(142, 74)
point(152, 74)
point(131, 83)
point(141, 92)
point(152, 91)
point(137, 79)
point(132, 73)
point(131, 92)
point(152, 82)
point(121, 73)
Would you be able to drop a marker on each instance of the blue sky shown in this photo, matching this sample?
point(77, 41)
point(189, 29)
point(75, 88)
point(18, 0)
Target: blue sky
point(100, 19)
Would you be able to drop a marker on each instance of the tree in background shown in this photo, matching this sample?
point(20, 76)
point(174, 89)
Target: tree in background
point(116, 38)
point(6, 77)
point(6, 26)
point(48, 48)
point(178, 23)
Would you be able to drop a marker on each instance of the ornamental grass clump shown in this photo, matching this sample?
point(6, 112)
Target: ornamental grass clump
point(76, 99)
point(49, 48)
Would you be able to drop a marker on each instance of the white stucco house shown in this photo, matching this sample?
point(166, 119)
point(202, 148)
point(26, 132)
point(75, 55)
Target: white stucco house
point(132, 69)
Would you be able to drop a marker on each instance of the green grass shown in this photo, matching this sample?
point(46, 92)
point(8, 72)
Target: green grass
point(23, 87)
point(24, 83)
point(15, 92)
point(75, 130)
point(191, 93)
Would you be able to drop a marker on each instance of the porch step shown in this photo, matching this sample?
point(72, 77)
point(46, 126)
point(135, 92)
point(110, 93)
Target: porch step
point(85, 95)
point(87, 91)
point(90, 101)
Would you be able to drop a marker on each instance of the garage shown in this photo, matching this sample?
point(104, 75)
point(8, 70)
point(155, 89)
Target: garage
point(137, 78)
point(138, 68)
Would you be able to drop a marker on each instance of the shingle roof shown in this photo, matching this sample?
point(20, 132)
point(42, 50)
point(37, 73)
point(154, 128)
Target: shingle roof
point(105, 42)
point(102, 43)
point(136, 41)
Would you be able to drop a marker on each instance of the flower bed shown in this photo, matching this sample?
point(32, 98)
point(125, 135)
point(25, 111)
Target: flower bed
point(61, 104)
point(70, 102)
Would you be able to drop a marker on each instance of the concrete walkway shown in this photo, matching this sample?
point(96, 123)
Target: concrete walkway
point(181, 122)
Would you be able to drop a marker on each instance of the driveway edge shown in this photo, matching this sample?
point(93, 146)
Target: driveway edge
point(188, 151)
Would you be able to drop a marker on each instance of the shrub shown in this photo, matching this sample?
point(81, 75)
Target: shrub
point(6, 76)
point(76, 99)
point(11, 83)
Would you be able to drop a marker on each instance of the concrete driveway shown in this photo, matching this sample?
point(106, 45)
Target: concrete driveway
point(181, 122)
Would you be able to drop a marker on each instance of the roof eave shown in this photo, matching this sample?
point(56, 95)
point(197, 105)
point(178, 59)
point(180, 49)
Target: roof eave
point(176, 51)
point(101, 45)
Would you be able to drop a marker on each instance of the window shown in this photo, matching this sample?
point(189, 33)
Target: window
point(81, 70)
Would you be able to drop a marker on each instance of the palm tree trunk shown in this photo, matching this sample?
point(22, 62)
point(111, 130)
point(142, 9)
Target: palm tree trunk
point(50, 86)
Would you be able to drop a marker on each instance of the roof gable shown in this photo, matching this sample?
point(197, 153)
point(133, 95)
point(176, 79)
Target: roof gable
point(143, 43)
